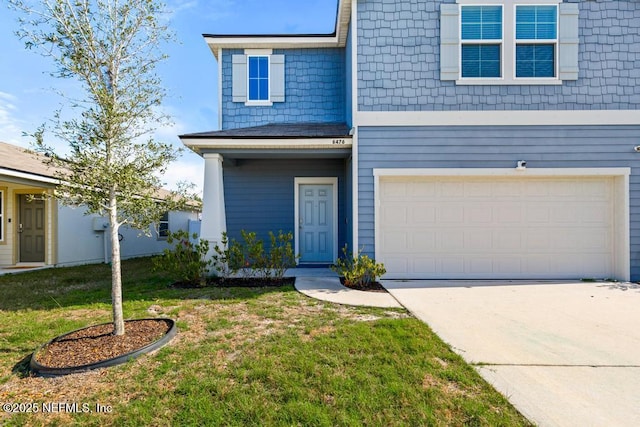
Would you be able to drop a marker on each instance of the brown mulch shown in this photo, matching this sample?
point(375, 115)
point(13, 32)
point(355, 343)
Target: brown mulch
point(243, 282)
point(97, 343)
point(369, 287)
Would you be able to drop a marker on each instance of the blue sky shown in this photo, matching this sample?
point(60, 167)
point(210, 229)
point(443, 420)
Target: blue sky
point(28, 95)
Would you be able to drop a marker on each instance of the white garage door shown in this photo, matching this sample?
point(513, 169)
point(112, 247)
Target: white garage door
point(496, 227)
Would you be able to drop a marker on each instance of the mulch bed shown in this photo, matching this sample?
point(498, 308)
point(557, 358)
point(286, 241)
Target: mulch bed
point(96, 343)
point(369, 287)
point(243, 282)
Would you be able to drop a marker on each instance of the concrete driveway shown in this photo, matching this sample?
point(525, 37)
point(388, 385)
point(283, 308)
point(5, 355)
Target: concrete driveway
point(564, 353)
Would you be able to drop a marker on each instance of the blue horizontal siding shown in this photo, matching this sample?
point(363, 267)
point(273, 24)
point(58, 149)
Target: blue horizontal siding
point(259, 194)
point(496, 147)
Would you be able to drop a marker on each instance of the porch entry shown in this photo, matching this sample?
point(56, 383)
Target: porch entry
point(31, 229)
point(316, 236)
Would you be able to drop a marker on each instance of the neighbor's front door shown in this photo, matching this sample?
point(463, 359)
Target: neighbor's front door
point(315, 223)
point(31, 229)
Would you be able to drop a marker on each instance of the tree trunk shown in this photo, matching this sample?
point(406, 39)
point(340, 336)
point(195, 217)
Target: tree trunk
point(116, 273)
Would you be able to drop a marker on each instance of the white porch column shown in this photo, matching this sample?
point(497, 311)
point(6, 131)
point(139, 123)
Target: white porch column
point(214, 222)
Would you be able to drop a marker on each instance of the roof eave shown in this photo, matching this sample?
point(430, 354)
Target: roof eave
point(241, 144)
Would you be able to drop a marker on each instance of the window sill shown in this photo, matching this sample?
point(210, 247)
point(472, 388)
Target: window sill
point(258, 103)
point(508, 82)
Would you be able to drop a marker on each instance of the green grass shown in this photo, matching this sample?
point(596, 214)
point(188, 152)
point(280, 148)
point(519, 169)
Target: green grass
point(243, 357)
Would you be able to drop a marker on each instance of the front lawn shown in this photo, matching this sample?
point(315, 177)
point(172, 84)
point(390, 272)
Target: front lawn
point(243, 356)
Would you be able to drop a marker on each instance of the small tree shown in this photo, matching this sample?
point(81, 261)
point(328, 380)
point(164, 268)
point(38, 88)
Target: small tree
point(111, 48)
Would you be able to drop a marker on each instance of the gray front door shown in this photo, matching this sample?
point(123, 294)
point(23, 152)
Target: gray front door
point(31, 229)
point(316, 223)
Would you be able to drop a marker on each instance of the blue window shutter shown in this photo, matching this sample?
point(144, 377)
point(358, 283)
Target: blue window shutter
point(568, 41)
point(277, 78)
point(239, 78)
point(449, 42)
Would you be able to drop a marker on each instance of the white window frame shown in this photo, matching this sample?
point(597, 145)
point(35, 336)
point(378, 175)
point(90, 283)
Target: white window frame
point(262, 102)
point(499, 42)
point(516, 42)
point(508, 58)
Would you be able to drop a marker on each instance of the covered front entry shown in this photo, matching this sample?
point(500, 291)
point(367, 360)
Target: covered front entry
point(568, 224)
point(316, 214)
point(31, 229)
point(290, 178)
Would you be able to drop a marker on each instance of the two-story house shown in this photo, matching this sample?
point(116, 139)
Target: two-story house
point(448, 139)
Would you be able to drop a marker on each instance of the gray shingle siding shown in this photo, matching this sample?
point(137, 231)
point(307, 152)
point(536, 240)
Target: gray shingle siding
point(399, 62)
point(497, 147)
point(259, 194)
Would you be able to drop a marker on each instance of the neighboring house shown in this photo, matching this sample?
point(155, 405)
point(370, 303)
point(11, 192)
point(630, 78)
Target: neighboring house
point(402, 133)
point(37, 230)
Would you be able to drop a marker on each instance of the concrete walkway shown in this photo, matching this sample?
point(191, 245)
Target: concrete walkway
point(563, 353)
point(324, 284)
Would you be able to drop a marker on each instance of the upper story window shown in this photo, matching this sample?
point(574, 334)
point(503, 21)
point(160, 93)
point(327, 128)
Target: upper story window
point(481, 41)
point(509, 42)
point(257, 77)
point(536, 41)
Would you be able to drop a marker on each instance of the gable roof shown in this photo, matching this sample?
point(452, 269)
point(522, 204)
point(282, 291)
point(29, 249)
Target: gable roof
point(20, 162)
point(282, 41)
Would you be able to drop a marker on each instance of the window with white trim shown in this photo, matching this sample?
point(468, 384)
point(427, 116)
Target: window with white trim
point(509, 42)
point(536, 41)
point(258, 78)
point(481, 35)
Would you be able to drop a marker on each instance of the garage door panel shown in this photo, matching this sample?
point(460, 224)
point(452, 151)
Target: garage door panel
point(597, 213)
point(424, 265)
point(477, 189)
point(395, 241)
point(451, 266)
point(449, 239)
point(506, 190)
point(452, 213)
point(507, 241)
point(509, 213)
point(423, 214)
point(479, 215)
point(477, 240)
point(479, 266)
point(453, 190)
point(394, 214)
point(395, 190)
point(423, 241)
point(496, 227)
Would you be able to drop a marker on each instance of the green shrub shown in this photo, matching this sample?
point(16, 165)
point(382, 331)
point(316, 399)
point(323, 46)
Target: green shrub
point(358, 271)
point(250, 258)
point(186, 262)
point(281, 254)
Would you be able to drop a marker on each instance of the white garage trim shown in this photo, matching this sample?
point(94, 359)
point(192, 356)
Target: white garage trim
point(621, 249)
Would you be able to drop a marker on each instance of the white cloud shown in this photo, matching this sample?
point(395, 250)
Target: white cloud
point(190, 168)
point(10, 126)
